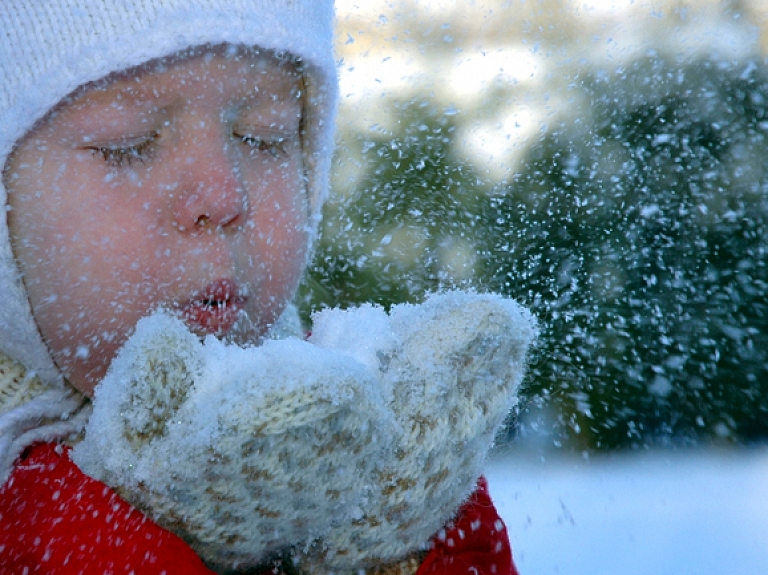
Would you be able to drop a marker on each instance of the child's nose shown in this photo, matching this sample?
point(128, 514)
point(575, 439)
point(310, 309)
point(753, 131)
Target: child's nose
point(212, 195)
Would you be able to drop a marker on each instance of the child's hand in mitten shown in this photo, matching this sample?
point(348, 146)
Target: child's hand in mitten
point(450, 370)
point(241, 451)
point(365, 442)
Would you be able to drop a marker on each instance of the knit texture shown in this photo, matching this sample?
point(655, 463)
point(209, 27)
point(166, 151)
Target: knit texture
point(352, 450)
point(453, 376)
point(51, 47)
point(32, 412)
point(17, 385)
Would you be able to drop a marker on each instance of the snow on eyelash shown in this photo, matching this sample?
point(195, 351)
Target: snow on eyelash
point(275, 147)
point(117, 156)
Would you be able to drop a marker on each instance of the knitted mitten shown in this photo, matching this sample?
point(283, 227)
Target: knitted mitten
point(450, 378)
point(354, 448)
point(241, 451)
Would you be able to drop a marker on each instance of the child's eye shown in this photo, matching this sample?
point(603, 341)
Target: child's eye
point(125, 153)
point(275, 146)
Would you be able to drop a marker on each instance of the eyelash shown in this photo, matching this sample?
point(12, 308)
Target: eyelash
point(274, 147)
point(117, 157)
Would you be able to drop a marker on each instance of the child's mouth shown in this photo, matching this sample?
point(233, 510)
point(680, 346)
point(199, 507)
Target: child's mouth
point(215, 309)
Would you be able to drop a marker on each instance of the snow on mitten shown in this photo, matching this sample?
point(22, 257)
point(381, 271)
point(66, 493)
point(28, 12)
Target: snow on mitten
point(241, 451)
point(450, 370)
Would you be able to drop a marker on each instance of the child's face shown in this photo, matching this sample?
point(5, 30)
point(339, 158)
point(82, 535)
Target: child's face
point(181, 184)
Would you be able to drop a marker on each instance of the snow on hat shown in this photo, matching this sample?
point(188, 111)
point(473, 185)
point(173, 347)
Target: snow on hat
point(50, 47)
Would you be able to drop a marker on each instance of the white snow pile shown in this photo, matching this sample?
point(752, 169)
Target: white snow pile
point(353, 447)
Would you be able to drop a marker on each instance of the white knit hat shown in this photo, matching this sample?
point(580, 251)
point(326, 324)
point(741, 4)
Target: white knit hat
point(50, 47)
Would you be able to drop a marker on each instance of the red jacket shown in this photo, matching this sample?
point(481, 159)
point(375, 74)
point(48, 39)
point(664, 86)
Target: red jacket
point(56, 520)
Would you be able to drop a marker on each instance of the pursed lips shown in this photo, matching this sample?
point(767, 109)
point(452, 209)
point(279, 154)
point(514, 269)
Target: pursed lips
point(215, 309)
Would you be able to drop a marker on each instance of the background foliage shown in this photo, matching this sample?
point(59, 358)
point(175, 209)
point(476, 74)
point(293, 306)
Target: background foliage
point(635, 227)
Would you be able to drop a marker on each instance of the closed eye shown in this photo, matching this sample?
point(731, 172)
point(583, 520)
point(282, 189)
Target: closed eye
point(273, 145)
point(125, 153)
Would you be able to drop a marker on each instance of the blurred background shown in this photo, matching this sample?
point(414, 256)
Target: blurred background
point(604, 162)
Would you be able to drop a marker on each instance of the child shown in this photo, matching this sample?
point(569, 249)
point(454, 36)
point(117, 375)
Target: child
point(157, 153)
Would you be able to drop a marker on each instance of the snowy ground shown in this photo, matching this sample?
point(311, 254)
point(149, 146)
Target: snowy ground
point(674, 512)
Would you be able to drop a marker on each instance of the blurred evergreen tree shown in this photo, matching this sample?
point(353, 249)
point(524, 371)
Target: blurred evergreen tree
point(414, 217)
point(637, 232)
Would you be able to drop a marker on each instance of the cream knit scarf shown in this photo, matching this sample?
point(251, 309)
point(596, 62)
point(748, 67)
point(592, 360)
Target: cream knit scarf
point(31, 412)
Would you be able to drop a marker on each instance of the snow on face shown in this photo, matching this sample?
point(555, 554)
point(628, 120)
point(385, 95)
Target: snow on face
point(178, 184)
